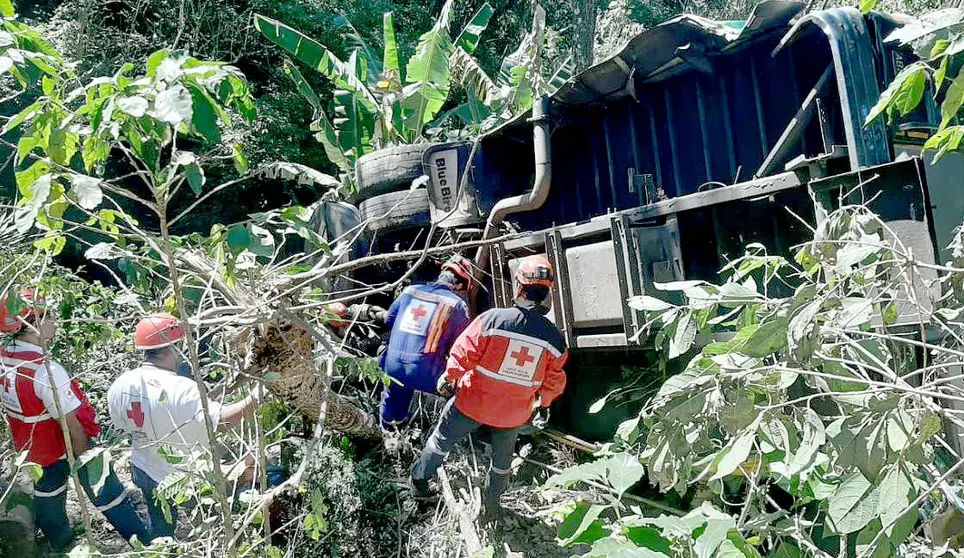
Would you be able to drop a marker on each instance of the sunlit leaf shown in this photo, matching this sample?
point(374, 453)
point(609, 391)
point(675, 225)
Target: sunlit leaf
point(713, 536)
point(155, 60)
point(616, 548)
point(135, 106)
point(390, 55)
point(95, 464)
point(867, 5)
point(87, 189)
point(315, 55)
point(945, 141)
point(468, 39)
point(770, 337)
point(429, 76)
point(99, 251)
point(645, 303)
point(23, 115)
point(582, 525)
point(903, 94)
point(853, 505)
point(953, 99)
point(239, 159)
point(896, 492)
point(304, 88)
point(733, 455)
point(174, 105)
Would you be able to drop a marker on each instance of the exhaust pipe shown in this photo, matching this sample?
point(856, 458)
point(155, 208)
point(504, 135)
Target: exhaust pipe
point(533, 199)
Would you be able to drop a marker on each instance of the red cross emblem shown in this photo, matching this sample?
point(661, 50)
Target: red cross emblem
point(522, 357)
point(136, 415)
point(418, 312)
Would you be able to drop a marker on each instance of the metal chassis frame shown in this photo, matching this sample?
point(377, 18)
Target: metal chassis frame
point(561, 298)
point(857, 86)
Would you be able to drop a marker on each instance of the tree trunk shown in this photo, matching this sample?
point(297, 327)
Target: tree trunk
point(584, 32)
point(284, 353)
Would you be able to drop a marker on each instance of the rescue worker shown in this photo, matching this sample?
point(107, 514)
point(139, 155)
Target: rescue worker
point(30, 406)
point(160, 408)
point(508, 363)
point(360, 325)
point(424, 322)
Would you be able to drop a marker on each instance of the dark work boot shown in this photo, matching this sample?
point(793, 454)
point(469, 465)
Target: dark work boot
point(421, 488)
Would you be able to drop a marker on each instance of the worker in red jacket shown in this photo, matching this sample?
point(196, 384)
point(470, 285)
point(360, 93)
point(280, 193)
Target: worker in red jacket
point(36, 390)
point(505, 365)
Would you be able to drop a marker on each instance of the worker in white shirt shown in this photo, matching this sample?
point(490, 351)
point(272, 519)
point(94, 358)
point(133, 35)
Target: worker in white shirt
point(160, 408)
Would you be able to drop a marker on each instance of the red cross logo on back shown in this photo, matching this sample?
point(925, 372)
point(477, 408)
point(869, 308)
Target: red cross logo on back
point(414, 317)
point(522, 357)
point(136, 415)
point(520, 360)
point(418, 312)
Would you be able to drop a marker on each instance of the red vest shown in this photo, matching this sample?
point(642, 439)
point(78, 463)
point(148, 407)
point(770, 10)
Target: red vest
point(32, 426)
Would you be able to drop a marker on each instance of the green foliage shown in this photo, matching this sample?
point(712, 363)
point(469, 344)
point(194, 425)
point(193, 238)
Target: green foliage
point(374, 105)
point(492, 101)
point(380, 101)
point(938, 40)
point(68, 135)
point(805, 395)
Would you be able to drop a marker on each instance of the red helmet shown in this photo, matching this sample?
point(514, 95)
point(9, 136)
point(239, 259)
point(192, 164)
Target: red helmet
point(33, 306)
point(334, 311)
point(534, 271)
point(461, 267)
point(157, 331)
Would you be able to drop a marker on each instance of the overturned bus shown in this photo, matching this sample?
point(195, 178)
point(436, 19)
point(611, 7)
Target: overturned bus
point(663, 162)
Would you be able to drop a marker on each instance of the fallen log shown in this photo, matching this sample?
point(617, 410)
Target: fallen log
point(462, 512)
point(277, 347)
point(282, 353)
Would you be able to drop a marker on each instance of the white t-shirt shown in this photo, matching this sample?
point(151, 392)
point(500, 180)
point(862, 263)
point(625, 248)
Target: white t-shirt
point(41, 381)
point(159, 408)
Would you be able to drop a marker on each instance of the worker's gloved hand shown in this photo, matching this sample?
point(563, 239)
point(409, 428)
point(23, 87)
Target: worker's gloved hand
point(378, 315)
point(540, 418)
point(444, 387)
point(368, 313)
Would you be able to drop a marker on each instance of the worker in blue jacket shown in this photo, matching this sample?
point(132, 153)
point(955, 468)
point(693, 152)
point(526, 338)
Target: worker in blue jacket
point(424, 322)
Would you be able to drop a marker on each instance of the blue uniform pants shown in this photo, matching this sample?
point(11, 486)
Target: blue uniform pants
point(454, 426)
point(158, 523)
point(50, 499)
point(395, 407)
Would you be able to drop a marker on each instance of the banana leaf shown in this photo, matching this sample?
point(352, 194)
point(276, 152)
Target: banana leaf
point(302, 85)
point(429, 79)
point(391, 47)
point(467, 72)
point(468, 39)
point(359, 45)
point(327, 135)
point(317, 56)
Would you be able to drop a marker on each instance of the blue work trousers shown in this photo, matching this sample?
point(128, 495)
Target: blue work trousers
point(158, 523)
point(50, 499)
point(454, 426)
